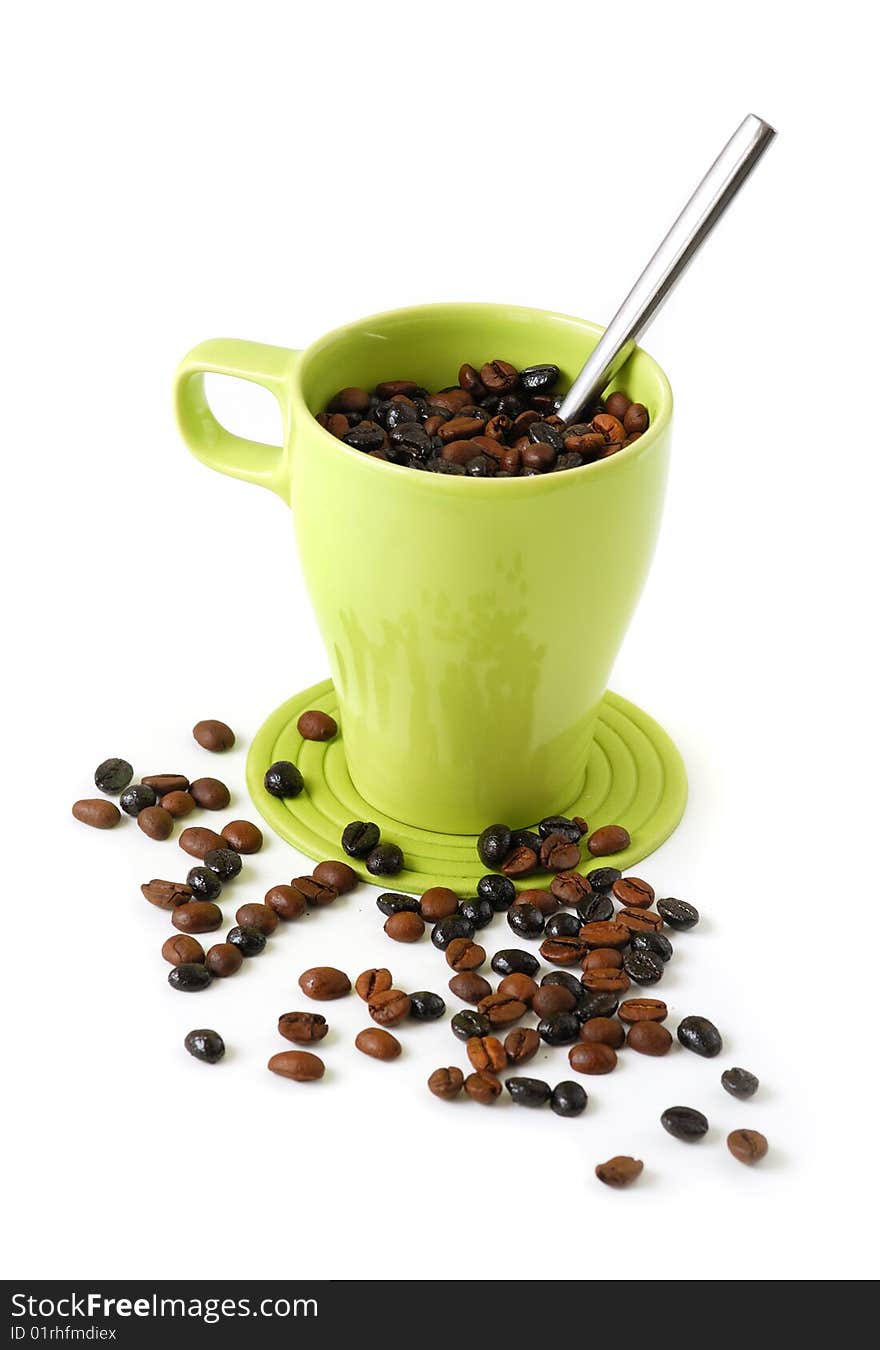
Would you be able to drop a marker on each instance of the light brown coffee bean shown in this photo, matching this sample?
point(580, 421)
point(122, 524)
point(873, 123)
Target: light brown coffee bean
point(405, 926)
point(635, 419)
point(163, 783)
point(633, 892)
point(210, 794)
point(518, 986)
point(314, 725)
point(607, 981)
point(243, 836)
point(177, 804)
point(453, 400)
point(649, 1038)
point(95, 811)
point(747, 1146)
point(587, 1057)
point(541, 898)
point(520, 862)
point(316, 893)
point(570, 888)
point(458, 452)
point(616, 405)
point(377, 1043)
point(286, 901)
point(609, 839)
point(197, 841)
point(563, 951)
point(640, 920)
point(437, 903)
point(396, 388)
point(463, 954)
point(460, 429)
point(446, 1083)
point(603, 958)
point(433, 424)
point(609, 428)
point(166, 894)
point(337, 874)
point(324, 982)
point(389, 1007)
point(484, 1088)
point(522, 1044)
point(501, 1010)
point(604, 933)
point(214, 735)
point(559, 854)
point(619, 1171)
point(303, 1027)
point(470, 987)
point(486, 1054)
point(261, 917)
point(350, 399)
point(552, 998)
point(498, 376)
point(180, 949)
point(371, 982)
point(197, 916)
point(300, 1065)
point(603, 1031)
point(470, 380)
point(224, 959)
point(642, 1010)
point(156, 822)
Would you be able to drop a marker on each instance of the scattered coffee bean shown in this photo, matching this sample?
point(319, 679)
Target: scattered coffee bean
point(604, 934)
point(479, 911)
point(639, 920)
point(620, 1171)
point(197, 916)
point(283, 779)
point(206, 1045)
point(302, 1027)
point(371, 982)
point(286, 901)
point(438, 903)
point(204, 883)
point(678, 913)
point(243, 836)
point(501, 1009)
point(570, 888)
point(390, 1007)
point(520, 861)
point(568, 1099)
point(562, 925)
point(486, 1054)
point(593, 1058)
point(559, 825)
point(213, 735)
point(324, 982)
point(498, 890)
point(315, 892)
point(521, 1044)
point(447, 930)
point(739, 1083)
point(528, 1091)
point(165, 783)
point(607, 980)
point(649, 1038)
point(559, 1028)
point(197, 841)
point(657, 943)
point(747, 1146)
point(137, 798)
point(603, 1031)
point(359, 838)
point(643, 967)
point(521, 987)
point(212, 795)
point(493, 845)
point(405, 927)
point(189, 977)
point(99, 814)
point(701, 1036)
point(113, 775)
point(595, 1005)
point(462, 954)
point(563, 951)
point(425, 1006)
point(609, 839)
point(300, 1065)
point(385, 860)
point(603, 878)
point(225, 863)
point(484, 1088)
point(470, 987)
point(543, 900)
point(249, 941)
point(467, 1024)
point(559, 854)
point(642, 1010)
point(377, 1043)
point(513, 961)
point(633, 892)
point(316, 726)
point(177, 804)
point(595, 909)
point(338, 875)
point(394, 902)
point(603, 958)
point(683, 1122)
point(262, 917)
point(446, 1083)
point(565, 980)
point(180, 949)
point(526, 920)
point(223, 960)
point(549, 999)
point(166, 894)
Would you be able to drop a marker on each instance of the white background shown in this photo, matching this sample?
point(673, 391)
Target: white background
point(268, 171)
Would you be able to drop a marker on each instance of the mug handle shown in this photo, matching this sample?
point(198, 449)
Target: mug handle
point(210, 442)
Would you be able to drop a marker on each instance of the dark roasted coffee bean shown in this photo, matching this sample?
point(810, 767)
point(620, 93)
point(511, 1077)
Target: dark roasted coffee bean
point(657, 943)
point(478, 910)
point(649, 1038)
point(249, 941)
point(559, 1028)
point(595, 909)
point(262, 917)
point(351, 399)
point(559, 825)
point(603, 878)
point(642, 1010)
point(462, 954)
point(595, 1005)
point(678, 913)
point(528, 1091)
point(374, 981)
point(391, 902)
point(569, 459)
point(324, 982)
point(603, 1031)
point(445, 466)
point(206, 1045)
point(396, 388)
point(633, 892)
point(538, 457)
point(570, 888)
point(568, 1099)
point(609, 839)
point(181, 948)
point(700, 1035)
point(447, 930)
point(204, 883)
point(224, 960)
point(286, 901)
point(470, 987)
point(482, 1087)
point(739, 1083)
point(619, 1171)
point(493, 845)
point(299, 1065)
point(683, 1122)
point(498, 890)
point(538, 379)
point(592, 1057)
point(166, 894)
point(136, 798)
point(425, 1006)
point(337, 875)
point(213, 735)
point(562, 925)
point(243, 836)
point(526, 920)
point(643, 967)
point(197, 916)
point(565, 980)
point(486, 1054)
point(513, 961)
point(283, 779)
point(96, 812)
point(559, 854)
point(385, 860)
point(526, 839)
point(446, 1083)
point(509, 405)
point(225, 863)
point(189, 977)
point(365, 436)
point(481, 466)
point(544, 434)
point(112, 775)
point(377, 1043)
point(303, 1027)
point(747, 1146)
point(405, 926)
point(359, 838)
point(314, 725)
point(469, 1023)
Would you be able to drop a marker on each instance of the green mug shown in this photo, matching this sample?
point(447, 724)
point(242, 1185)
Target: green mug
point(470, 624)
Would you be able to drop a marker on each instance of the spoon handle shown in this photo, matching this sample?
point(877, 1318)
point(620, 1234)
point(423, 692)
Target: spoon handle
point(708, 203)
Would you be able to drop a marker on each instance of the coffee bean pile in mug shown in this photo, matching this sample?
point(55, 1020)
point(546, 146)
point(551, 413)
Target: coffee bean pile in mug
point(586, 1014)
point(497, 422)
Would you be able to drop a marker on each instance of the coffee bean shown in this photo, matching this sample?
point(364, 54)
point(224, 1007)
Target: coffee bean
point(521, 1044)
point(498, 376)
point(166, 894)
point(262, 917)
point(99, 814)
point(543, 900)
point(739, 1083)
point(377, 1043)
point(592, 1005)
point(197, 916)
point(405, 927)
point(493, 845)
point(315, 892)
point(203, 883)
point(324, 982)
point(619, 1171)
point(371, 982)
point(484, 1088)
point(604, 934)
point(616, 404)
point(390, 1007)
point(498, 890)
point(635, 419)
point(538, 457)
point(302, 1027)
point(447, 930)
point(678, 913)
point(518, 986)
point(197, 841)
point(286, 901)
point(559, 1028)
point(249, 941)
point(639, 920)
point(643, 967)
point(512, 961)
point(338, 875)
point(570, 888)
point(563, 951)
point(213, 735)
point(180, 949)
point(595, 909)
point(747, 1146)
point(501, 1009)
point(520, 862)
point(243, 836)
point(300, 1065)
point(605, 981)
point(486, 1054)
point(562, 926)
point(385, 860)
point(657, 943)
point(225, 863)
point(565, 980)
point(550, 999)
point(479, 911)
point(633, 892)
point(316, 726)
point(438, 902)
point(223, 959)
point(649, 1038)
point(593, 1058)
point(701, 1036)
point(526, 920)
point(206, 1045)
point(603, 1031)
point(610, 839)
point(603, 878)
point(425, 1006)
point(112, 775)
point(603, 958)
point(177, 804)
point(683, 1122)
point(137, 798)
point(526, 839)
point(394, 902)
point(189, 977)
point(528, 1091)
point(165, 783)
point(568, 1099)
point(348, 400)
point(539, 379)
point(359, 838)
point(446, 1083)
point(212, 795)
point(462, 954)
point(468, 1023)
point(559, 854)
point(391, 388)
point(642, 1010)
point(283, 779)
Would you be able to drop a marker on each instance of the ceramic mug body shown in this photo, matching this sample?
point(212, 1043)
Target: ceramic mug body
point(470, 624)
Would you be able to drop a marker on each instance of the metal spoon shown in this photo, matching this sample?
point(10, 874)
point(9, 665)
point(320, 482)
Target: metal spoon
point(711, 199)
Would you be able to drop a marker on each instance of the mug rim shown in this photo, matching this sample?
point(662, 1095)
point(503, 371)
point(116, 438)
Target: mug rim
point(456, 482)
